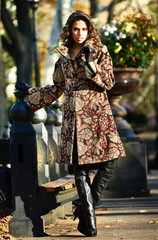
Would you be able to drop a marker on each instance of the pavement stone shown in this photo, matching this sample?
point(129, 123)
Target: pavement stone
point(121, 218)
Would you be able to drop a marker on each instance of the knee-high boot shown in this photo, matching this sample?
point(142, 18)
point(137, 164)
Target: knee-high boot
point(101, 180)
point(87, 224)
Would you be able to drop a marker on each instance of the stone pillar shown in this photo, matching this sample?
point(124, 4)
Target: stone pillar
point(26, 221)
point(38, 121)
point(63, 169)
point(130, 178)
point(52, 144)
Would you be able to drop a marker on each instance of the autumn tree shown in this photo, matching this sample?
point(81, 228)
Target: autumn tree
point(18, 40)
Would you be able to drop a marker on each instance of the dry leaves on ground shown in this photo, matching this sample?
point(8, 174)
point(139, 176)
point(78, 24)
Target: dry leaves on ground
point(4, 219)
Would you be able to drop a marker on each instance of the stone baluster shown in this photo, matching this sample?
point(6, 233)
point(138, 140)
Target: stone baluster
point(38, 121)
point(52, 143)
point(63, 169)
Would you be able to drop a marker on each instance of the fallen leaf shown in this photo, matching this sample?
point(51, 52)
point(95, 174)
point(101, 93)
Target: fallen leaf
point(50, 226)
point(142, 211)
point(101, 209)
point(106, 226)
point(115, 235)
point(119, 220)
point(151, 222)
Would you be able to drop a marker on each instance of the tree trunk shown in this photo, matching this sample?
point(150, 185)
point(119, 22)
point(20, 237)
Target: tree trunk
point(3, 105)
point(20, 44)
point(94, 8)
point(63, 10)
point(25, 56)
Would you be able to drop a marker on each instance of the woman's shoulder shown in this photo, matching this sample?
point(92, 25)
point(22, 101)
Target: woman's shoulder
point(100, 49)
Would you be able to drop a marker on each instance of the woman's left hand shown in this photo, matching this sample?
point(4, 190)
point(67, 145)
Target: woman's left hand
point(88, 53)
point(91, 68)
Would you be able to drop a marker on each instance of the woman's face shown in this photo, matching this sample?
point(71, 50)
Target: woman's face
point(79, 32)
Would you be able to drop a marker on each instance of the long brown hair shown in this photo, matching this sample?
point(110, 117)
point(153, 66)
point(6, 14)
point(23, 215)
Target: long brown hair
point(66, 35)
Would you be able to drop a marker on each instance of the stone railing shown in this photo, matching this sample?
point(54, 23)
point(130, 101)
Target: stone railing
point(33, 148)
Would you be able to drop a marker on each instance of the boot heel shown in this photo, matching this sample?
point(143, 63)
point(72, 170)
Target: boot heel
point(90, 225)
point(87, 232)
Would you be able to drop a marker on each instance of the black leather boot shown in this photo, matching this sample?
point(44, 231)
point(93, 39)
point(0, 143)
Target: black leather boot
point(101, 180)
point(87, 223)
point(78, 211)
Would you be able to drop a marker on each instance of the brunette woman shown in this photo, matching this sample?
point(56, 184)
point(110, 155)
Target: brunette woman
point(89, 138)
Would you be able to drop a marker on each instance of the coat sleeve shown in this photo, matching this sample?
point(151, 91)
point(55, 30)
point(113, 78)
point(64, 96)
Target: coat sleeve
point(104, 76)
point(40, 97)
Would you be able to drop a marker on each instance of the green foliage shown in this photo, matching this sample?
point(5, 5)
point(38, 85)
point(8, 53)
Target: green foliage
point(132, 41)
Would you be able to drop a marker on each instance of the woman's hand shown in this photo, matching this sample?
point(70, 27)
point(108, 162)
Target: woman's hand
point(88, 53)
point(90, 68)
point(89, 58)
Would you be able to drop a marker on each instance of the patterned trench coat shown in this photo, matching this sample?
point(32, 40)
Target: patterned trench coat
point(85, 106)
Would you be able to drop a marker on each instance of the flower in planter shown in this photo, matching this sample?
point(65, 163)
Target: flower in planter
point(132, 41)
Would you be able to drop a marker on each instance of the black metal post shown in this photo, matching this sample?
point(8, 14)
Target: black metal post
point(34, 6)
point(26, 220)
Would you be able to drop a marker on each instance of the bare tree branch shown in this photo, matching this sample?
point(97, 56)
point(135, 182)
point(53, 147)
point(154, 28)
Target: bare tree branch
point(22, 13)
point(8, 47)
point(19, 42)
point(111, 9)
point(139, 6)
point(94, 8)
point(106, 8)
point(14, 34)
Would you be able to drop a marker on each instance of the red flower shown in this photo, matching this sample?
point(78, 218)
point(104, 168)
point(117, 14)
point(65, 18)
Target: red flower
point(137, 59)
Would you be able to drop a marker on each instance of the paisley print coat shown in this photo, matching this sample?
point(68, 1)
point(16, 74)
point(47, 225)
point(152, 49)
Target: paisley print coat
point(85, 106)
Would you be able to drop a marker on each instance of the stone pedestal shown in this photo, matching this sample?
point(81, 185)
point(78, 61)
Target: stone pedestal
point(130, 178)
point(21, 225)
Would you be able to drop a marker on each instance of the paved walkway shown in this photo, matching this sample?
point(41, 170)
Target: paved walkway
point(124, 218)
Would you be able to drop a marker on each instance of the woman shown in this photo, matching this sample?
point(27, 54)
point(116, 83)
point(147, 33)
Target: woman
point(89, 137)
